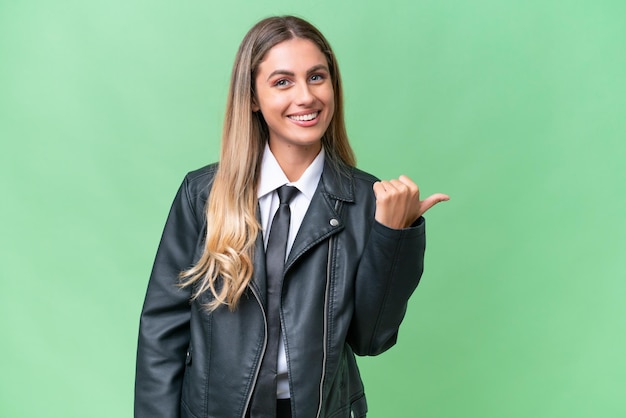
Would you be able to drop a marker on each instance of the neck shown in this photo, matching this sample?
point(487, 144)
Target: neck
point(294, 160)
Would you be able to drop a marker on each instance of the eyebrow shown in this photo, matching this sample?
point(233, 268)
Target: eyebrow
point(291, 73)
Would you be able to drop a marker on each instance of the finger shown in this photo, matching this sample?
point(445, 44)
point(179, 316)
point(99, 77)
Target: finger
point(410, 184)
point(379, 189)
point(388, 186)
point(406, 180)
point(432, 200)
point(399, 185)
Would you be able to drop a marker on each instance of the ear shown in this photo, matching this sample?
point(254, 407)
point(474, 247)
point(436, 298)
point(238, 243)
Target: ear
point(255, 107)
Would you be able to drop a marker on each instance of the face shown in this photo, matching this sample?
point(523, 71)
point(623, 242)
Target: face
point(294, 93)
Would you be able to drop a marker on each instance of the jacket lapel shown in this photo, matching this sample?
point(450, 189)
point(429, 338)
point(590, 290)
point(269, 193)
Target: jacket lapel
point(322, 219)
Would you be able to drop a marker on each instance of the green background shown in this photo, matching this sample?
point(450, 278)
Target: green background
point(517, 109)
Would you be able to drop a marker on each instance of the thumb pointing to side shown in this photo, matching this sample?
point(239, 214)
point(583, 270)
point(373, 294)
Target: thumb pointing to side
point(398, 202)
point(431, 201)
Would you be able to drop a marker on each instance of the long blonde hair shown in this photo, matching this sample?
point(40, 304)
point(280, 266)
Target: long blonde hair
point(226, 265)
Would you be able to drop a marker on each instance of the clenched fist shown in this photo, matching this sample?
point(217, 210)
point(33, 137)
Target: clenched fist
point(398, 202)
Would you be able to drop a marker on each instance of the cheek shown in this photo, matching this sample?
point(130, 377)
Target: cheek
point(330, 102)
point(326, 95)
point(274, 102)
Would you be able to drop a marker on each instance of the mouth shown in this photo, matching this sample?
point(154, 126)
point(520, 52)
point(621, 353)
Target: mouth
point(304, 118)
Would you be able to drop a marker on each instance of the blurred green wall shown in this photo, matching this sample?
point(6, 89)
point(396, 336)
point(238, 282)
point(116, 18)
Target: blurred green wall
point(515, 108)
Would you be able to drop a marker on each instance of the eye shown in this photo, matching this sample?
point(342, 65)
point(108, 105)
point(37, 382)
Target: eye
point(283, 82)
point(316, 78)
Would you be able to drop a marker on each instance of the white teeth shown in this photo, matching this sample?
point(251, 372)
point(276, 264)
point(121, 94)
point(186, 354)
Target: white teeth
point(303, 118)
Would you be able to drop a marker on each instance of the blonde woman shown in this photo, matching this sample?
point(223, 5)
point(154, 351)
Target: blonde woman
point(281, 263)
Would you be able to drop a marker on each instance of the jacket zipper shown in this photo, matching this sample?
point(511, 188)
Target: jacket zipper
point(258, 367)
point(326, 297)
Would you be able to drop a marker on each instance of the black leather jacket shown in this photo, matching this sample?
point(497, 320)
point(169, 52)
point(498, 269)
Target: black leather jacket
point(347, 283)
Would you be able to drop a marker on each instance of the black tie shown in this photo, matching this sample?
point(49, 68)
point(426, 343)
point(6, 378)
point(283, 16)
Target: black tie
point(264, 399)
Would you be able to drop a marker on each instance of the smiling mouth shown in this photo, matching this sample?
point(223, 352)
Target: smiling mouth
point(304, 118)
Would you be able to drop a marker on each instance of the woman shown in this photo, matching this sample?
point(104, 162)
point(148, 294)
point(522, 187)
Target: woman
point(228, 331)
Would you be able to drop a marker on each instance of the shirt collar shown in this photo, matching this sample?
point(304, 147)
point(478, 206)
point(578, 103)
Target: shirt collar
point(272, 176)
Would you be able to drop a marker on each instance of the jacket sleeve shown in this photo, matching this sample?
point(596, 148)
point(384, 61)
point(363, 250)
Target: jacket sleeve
point(388, 273)
point(164, 325)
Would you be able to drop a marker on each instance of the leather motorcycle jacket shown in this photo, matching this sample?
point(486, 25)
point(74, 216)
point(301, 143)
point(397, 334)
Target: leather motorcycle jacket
point(347, 283)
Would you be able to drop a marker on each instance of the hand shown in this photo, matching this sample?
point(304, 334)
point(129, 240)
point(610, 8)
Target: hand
point(398, 202)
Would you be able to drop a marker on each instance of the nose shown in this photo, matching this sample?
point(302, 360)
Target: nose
point(304, 95)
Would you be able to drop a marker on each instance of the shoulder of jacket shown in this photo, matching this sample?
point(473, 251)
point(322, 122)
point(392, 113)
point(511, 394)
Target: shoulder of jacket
point(363, 177)
point(202, 175)
point(199, 180)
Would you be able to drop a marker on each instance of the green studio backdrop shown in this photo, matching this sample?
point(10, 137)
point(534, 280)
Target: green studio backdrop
point(514, 108)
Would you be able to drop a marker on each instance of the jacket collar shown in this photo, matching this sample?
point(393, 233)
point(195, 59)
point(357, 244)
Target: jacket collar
point(322, 220)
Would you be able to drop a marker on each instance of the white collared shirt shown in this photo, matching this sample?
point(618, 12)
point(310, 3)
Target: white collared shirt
point(272, 177)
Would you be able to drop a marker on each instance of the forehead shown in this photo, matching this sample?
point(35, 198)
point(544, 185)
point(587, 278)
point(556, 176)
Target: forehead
point(293, 54)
